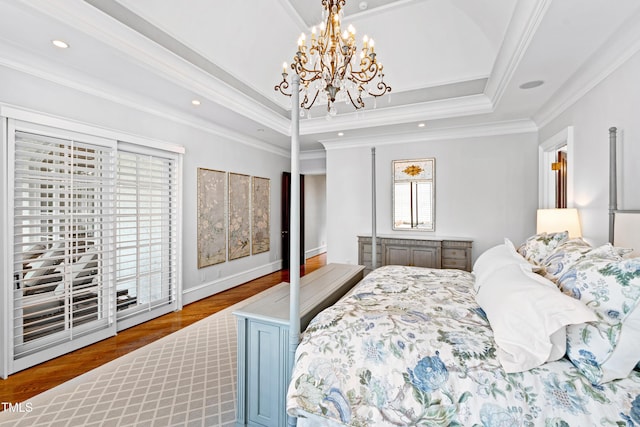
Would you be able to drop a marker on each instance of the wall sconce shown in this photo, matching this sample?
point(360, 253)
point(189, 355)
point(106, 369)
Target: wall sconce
point(558, 220)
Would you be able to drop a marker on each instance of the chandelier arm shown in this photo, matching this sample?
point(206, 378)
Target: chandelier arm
point(283, 86)
point(305, 101)
point(381, 86)
point(353, 103)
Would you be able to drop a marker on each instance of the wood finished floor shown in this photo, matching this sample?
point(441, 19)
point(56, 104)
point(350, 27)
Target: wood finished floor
point(30, 382)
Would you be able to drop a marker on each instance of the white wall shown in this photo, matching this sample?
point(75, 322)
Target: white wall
point(613, 102)
point(203, 149)
point(486, 189)
point(315, 214)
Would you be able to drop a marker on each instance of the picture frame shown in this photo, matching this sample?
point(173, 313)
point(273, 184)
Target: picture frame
point(261, 215)
point(211, 220)
point(239, 241)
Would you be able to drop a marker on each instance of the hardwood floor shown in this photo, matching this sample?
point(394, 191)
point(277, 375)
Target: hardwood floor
point(26, 384)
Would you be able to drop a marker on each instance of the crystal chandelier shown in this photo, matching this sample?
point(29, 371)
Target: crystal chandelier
point(329, 67)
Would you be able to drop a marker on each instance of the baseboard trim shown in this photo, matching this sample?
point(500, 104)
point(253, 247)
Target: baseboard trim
point(216, 286)
point(315, 251)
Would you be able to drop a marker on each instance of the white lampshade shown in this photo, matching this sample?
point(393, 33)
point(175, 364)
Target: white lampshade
point(558, 220)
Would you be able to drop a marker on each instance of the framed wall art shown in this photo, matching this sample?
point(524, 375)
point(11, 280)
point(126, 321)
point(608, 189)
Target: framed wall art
point(260, 226)
point(239, 216)
point(211, 230)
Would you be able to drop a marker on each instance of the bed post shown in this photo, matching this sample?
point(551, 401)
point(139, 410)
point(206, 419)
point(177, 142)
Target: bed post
point(374, 243)
point(294, 234)
point(613, 176)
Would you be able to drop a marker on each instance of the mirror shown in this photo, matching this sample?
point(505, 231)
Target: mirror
point(414, 194)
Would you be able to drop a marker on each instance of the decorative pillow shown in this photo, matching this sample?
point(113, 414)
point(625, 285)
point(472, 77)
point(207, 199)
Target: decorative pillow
point(494, 258)
point(606, 349)
point(563, 257)
point(609, 251)
point(528, 315)
point(537, 247)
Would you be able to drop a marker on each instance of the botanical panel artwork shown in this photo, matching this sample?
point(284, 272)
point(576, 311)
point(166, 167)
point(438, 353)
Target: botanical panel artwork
point(260, 229)
point(239, 216)
point(212, 242)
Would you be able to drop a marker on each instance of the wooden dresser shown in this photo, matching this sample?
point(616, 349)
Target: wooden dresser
point(433, 252)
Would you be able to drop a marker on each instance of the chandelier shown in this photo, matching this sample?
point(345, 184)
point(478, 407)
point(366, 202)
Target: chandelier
point(331, 68)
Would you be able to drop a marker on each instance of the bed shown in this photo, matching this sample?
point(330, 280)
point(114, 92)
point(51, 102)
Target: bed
point(542, 333)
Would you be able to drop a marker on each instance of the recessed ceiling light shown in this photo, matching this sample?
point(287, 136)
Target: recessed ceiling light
point(421, 125)
point(340, 133)
point(531, 84)
point(196, 102)
point(60, 43)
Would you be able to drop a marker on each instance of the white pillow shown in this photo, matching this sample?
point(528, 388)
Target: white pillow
point(528, 315)
point(495, 258)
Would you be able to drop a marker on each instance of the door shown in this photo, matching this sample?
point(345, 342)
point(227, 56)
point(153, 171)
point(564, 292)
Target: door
point(286, 219)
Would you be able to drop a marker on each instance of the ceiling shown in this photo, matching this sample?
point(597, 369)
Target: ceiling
point(455, 66)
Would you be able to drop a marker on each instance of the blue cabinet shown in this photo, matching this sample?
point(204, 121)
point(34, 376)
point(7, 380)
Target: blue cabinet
point(263, 341)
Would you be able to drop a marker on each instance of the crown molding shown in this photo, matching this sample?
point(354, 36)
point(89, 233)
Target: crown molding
point(312, 155)
point(432, 110)
point(471, 131)
point(19, 60)
point(381, 9)
point(293, 14)
point(527, 16)
point(618, 49)
point(157, 59)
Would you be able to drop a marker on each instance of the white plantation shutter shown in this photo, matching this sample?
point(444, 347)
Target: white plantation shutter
point(63, 210)
point(92, 225)
point(147, 247)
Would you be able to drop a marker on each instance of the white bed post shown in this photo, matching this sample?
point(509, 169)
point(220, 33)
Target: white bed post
point(374, 251)
point(294, 233)
point(613, 177)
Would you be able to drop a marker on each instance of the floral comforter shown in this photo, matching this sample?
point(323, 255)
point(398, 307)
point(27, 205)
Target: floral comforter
point(410, 346)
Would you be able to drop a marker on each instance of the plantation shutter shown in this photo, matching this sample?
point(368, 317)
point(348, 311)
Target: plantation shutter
point(63, 209)
point(147, 247)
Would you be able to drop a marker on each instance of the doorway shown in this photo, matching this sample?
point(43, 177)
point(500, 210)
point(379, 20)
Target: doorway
point(286, 220)
point(556, 171)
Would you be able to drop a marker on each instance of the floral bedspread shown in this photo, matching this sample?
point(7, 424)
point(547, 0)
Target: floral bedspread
point(410, 346)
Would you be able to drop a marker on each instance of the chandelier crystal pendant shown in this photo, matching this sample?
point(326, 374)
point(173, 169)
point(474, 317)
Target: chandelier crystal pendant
point(330, 67)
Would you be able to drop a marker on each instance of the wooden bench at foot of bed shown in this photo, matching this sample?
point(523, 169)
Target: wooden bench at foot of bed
point(263, 340)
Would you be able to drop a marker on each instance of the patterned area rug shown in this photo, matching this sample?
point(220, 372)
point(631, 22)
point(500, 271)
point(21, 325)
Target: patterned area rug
point(187, 378)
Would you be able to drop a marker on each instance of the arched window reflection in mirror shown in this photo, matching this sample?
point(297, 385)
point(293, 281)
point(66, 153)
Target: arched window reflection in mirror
point(414, 194)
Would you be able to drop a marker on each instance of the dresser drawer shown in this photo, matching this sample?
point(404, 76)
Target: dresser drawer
point(460, 264)
point(454, 253)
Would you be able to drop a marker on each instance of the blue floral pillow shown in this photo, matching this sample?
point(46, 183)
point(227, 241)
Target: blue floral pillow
point(606, 349)
point(538, 247)
point(563, 257)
